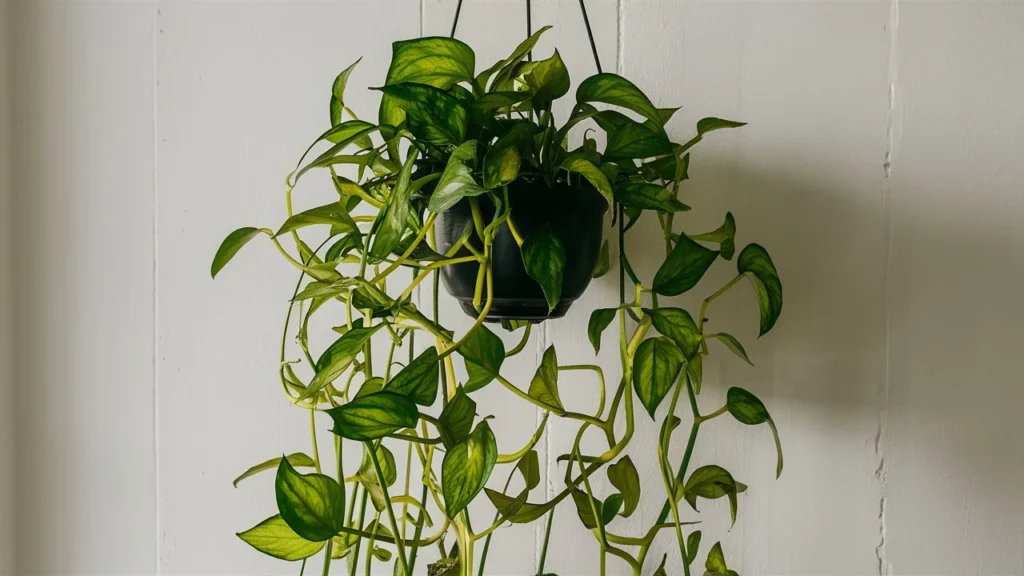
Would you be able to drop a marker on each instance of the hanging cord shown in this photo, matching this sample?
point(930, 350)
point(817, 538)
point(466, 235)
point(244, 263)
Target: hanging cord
point(455, 22)
point(590, 35)
point(529, 29)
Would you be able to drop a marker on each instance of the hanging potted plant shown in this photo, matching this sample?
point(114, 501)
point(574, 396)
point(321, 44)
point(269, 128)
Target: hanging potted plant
point(470, 177)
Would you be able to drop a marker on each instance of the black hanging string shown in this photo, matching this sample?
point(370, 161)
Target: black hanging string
point(529, 28)
point(455, 22)
point(590, 35)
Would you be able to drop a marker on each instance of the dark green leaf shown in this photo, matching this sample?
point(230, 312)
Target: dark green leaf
point(711, 124)
point(457, 179)
point(749, 410)
point(678, 325)
point(626, 480)
point(512, 325)
point(610, 508)
point(484, 353)
point(374, 416)
point(636, 193)
point(733, 344)
point(499, 100)
point(683, 268)
point(599, 320)
point(431, 114)
point(549, 81)
point(515, 511)
point(633, 140)
point(711, 482)
point(438, 62)
point(656, 366)
point(333, 214)
point(725, 235)
point(602, 261)
point(466, 468)
point(579, 164)
point(667, 169)
point(585, 507)
point(231, 245)
point(338, 357)
point(692, 545)
point(755, 263)
point(544, 260)
point(418, 380)
point(457, 418)
point(342, 247)
point(544, 386)
point(313, 505)
point(422, 252)
point(298, 459)
point(661, 567)
point(529, 467)
point(274, 538)
point(617, 91)
point(501, 164)
point(338, 94)
point(395, 215)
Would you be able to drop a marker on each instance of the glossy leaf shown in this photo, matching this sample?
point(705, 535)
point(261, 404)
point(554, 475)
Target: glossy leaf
point(374, 416)
point(338, 357)
point(610, 508)
point(599, 320)
point(603, 262)
point(394, 218)
point(484, 353)
point(501, 164)
point(313, 505)
point(683, 268)
point(338, 94)
point(438, 62)
point(297, 459)
point(615, 90)
point(636, 193)
point(757, 266)
point(548, 80)
point(466, 468)
point(749, 410)
point(274, 537)
point(733, 344)
point(457, 418)
point(711, 124)
point(598, 179)
point(333, 215)
point(517, 512)
point(432, 115)
point(724, 235)
point(457, 180)
point(678, 325)
point(503, 70)
point(418, 380)
point(544, 386)
point(656, 366)
point(711, 482)
point(544, 260)
point(633, 140)
point(626, 480)
point(230, 246)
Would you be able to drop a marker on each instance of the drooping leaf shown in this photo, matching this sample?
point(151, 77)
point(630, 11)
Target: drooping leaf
point(501, 164)
point(484, 353)
point(603, 263)
point(374, 416)
point(671, 168)
point(420, 253)
point(457, 180)
point(749, 410)
point(711, 124)
point(615, 90)
point(549, 81)
point(661, 567)
point(297, 459)
point(438, 62)
point(695, 371)
point(274, 538)
point(656, 366)
point(610, 508)
point(725, 235)
point(633, 140)
point(431, 114)
point(231, 245)
point(544, 386)
point(517, 512)
point(338, 357)
point(584, 508)
point(692, 545)
point(626, 480)
point(529, 467)
point(512, 325)
point(757, 266)
point(333, 215)
point(503, 69)
point(683, 268)
point(733, 344)
point(395, 216)
point(466, 468)
point(711, 482)
point(343, 246)
point(635, 193)
point(599, 320)
point(367, 472)
point(579, 164)
point(313, 505)
point(457, 418)
point(544, 260)
point(418, 380)
point(338, 94)
point(499, 100)
point(678, 325)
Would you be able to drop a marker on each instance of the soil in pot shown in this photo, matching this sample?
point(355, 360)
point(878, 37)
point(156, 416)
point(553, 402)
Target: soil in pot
point(575, 214)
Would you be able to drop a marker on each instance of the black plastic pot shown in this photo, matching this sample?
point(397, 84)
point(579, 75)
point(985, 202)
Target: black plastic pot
point(575, 214)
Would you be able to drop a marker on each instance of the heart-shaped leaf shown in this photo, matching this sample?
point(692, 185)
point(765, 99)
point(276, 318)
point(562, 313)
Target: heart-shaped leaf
point(544, 260)
point(749, 410)
point(615, 90)
point(313, 505)
point(435, 61)
point(635, 193)
point(374, 416)
point(683, 268)
point(624, 477)
point(457, 180)
point(484, 353)
point(466, 468)
point(544, 386)
point(418, 380)
point(457, 418)
point(678, 325)
point(275, 538)
point(656, 366)
point(757, 266)
point(599, 320)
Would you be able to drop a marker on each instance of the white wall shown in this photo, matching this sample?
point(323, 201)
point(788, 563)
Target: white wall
point(7, 407)
point(881, 167)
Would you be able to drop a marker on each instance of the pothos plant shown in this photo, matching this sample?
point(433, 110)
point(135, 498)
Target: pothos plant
point(445, 136)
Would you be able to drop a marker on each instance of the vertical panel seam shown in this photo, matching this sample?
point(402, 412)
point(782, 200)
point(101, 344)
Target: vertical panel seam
point(155, 31)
